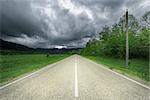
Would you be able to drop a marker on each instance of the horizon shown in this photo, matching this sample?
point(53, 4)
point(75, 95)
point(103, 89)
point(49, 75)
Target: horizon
point(49, 24)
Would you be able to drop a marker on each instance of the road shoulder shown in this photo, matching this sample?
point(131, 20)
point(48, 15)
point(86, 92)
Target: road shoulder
point(120, 73)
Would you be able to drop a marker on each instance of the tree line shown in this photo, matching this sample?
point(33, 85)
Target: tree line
point(111, 41)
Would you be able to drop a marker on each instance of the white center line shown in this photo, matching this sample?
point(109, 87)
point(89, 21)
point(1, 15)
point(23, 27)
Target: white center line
point(76, 79)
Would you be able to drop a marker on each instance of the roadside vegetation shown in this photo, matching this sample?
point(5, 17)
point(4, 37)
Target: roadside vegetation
point(109, 48)
point(12, 66)
point(137, 68)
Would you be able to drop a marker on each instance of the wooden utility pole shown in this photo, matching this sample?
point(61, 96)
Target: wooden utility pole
point(127, 41)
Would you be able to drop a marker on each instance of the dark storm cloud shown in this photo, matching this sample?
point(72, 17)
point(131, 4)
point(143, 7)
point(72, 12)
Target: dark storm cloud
point(48, 23)
point(18, 19)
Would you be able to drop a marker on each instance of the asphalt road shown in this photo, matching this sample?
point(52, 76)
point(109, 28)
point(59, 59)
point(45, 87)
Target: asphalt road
point(74, 78)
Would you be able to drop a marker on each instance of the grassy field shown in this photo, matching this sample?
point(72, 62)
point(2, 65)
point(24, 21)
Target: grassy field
point(137, 67)
point(12, 66)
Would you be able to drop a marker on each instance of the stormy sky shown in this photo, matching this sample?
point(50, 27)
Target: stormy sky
point(68, 23)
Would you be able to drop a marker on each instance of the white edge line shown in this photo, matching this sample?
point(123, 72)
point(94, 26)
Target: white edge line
point(118, 74)
point(39, 70)
point(76, 79)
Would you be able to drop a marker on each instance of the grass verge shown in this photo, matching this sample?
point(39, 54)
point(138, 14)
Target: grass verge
point(12, 66)
point(137, 67)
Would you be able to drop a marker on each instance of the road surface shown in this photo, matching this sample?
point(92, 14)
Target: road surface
point(74, 78)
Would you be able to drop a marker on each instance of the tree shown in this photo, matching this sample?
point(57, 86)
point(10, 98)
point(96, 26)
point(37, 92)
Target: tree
point(112, 40)
point(133, 24)
point(104, 34)
point(145, 19)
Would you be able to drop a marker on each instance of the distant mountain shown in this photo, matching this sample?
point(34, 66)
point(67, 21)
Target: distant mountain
point(5, 45)
point(56, 50)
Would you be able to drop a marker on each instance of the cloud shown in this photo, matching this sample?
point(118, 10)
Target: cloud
point(18, 19)
point(71, 23)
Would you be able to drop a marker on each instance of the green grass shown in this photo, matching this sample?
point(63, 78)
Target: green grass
point(137, 67)
point(12, 66)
